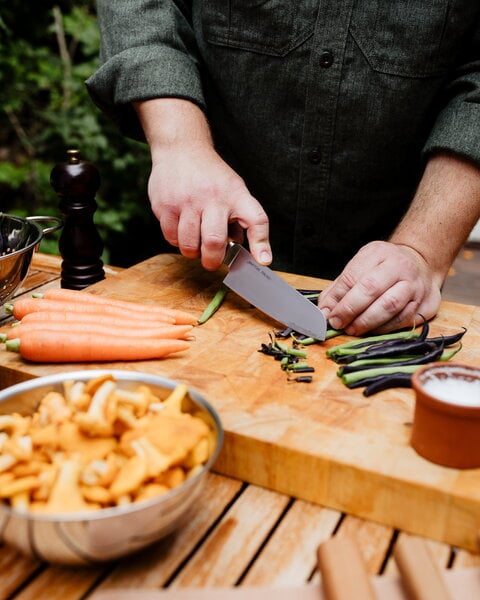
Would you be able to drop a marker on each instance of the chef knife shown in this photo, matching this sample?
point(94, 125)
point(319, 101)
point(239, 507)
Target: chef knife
point(268, 292)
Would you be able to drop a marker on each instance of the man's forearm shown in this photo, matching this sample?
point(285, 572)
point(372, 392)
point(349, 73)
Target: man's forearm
point(172, 121)
point(443, 212)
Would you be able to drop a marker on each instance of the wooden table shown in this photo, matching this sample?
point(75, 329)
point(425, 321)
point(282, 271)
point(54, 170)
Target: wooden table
point(241, 535)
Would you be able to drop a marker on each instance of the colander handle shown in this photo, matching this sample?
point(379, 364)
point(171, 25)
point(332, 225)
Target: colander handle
point(57, 220)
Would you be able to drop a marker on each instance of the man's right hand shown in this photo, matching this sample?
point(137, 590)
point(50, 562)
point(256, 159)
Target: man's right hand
point(200, 202)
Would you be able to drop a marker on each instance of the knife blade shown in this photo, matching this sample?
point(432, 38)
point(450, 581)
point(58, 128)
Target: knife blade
point(272, 295)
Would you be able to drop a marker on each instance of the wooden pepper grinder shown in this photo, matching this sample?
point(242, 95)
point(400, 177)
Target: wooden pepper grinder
point(80, 244)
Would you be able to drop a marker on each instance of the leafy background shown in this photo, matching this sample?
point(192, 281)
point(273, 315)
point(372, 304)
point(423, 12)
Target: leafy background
point(47, 50)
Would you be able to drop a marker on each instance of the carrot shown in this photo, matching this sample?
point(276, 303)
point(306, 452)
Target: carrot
point(64, 347)
point(23, 306)
point(180, 332)
point(92, 319)
point(180, 316)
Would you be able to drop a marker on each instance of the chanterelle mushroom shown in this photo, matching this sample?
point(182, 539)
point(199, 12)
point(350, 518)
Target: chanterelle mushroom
point(66, 495)
point(99, 418)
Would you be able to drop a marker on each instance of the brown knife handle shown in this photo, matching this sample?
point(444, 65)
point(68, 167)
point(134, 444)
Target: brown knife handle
point(343, 570)
point(420, 575)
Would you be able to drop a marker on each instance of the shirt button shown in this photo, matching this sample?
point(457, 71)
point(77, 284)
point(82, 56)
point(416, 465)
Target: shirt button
point(314, 156)
point(326, 59)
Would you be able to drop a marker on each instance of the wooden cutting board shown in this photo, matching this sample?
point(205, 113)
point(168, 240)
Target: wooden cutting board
point(320, 442)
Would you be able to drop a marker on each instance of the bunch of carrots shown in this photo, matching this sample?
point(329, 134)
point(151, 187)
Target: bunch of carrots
point(79, 326)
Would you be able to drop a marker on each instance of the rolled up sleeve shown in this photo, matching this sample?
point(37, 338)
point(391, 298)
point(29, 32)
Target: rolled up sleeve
point(457, 126)
point(147, 51)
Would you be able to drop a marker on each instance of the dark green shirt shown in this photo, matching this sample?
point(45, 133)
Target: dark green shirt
point(327, 109)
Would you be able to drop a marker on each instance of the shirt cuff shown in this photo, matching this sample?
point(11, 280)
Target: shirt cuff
point(132, 76)
point(457, 131)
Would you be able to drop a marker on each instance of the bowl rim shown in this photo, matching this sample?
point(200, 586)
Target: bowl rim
point(29, 222)
point(120, 375)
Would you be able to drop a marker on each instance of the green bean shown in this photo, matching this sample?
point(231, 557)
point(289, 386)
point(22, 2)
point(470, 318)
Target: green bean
point(332, 333)
point(359, 375)
point(291, 351)
point(213, 305)
point(302, 379)
point(357, 346)
point(439, 354)
point(296, 366)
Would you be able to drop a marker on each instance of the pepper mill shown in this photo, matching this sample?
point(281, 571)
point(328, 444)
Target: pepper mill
point(80, 244)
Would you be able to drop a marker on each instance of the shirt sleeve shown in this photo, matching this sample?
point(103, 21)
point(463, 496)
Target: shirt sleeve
point(147, 51)
point(457, 126)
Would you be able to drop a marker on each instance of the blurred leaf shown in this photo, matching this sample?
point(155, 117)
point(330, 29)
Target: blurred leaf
point(45, 109)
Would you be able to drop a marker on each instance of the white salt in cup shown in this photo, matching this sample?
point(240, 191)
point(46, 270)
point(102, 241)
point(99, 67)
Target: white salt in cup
point(446, 425)
point(460, 389)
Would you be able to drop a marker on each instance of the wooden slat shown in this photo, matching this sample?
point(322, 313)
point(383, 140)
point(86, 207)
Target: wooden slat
point(57, 583)
point(372, 538)
point(464, 559)
point(156, 565)
point(440, 553)
point(14, 570)
point(227, 552)
point(289, 557)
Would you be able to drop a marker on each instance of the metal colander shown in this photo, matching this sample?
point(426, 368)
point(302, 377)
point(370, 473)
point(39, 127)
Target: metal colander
point(19, 238)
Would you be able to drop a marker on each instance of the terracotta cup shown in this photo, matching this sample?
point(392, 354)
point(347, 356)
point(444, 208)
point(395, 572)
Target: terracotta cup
point(446, 425)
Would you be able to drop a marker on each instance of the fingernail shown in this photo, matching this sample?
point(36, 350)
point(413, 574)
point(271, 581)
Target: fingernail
point(265, 257)
point(335, 322)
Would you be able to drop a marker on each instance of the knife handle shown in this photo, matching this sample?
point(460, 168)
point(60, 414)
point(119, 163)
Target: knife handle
point(231, 253)
point(420, 574)
point(343, 571)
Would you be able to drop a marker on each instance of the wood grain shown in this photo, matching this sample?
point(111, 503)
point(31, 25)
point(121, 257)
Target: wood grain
point(14, 569)
point(289, 556)
point(57, 583)
point(235, 541)
point(155, 565)
point(321, 443)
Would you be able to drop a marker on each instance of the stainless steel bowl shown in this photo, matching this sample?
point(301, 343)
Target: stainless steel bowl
point(19, 238)
point(105, 534)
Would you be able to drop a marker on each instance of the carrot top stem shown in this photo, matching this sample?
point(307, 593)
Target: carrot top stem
point(13, 345)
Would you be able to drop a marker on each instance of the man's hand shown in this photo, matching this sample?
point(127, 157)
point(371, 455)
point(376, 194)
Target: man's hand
point(201, 203)
point(198, 199)
point(387, 284)
point(383, 288)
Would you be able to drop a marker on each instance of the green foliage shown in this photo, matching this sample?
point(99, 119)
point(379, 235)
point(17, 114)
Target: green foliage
point(47, 50)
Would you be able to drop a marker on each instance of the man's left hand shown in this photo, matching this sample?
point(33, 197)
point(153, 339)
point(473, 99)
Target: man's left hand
point(383, 288)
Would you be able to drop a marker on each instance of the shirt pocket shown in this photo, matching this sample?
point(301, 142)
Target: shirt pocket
point(412, 38)
point(272, 27)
